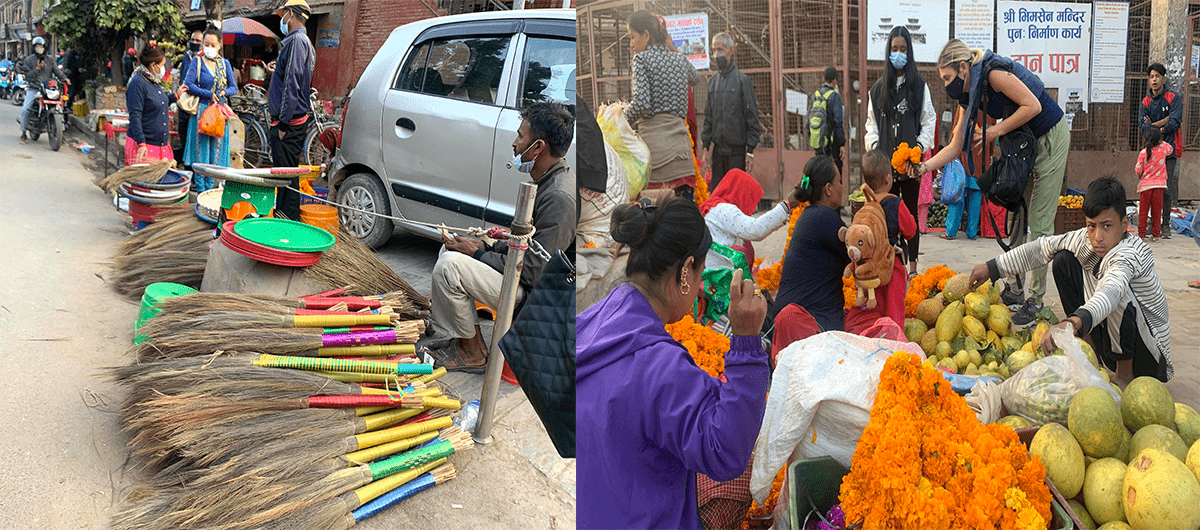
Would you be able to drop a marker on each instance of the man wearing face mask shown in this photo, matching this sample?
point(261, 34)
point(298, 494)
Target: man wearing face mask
point(730, 115)
point(37, 68)
point(288, 97)
point(182, 117)
point(468, 270)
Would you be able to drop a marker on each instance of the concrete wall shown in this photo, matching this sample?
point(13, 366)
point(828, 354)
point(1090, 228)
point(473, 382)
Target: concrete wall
point(1084, 167)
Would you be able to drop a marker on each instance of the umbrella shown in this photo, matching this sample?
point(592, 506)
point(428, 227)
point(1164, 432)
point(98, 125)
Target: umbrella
point(241, 31)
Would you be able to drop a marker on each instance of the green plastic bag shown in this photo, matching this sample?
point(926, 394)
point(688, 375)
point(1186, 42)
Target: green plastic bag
point(632, 150)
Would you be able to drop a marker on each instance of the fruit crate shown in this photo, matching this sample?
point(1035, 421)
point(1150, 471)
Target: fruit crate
point(821, 479)
point(1068, 220)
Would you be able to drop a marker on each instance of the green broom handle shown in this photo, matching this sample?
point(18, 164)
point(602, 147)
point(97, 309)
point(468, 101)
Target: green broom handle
point(411, 459)
point(340, 365)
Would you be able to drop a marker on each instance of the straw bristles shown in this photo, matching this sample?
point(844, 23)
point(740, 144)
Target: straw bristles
point(192, 343)
point(206, 302)
point(148, 173)
point(351, 263)
point(173, 249)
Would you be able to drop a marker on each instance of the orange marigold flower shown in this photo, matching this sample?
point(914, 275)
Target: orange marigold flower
point(706, 346)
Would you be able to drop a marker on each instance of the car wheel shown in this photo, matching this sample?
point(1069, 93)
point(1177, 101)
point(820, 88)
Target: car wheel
point(364, 191)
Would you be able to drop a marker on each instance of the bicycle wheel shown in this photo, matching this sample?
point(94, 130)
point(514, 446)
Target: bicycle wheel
point(315, 153)
point(256, 149)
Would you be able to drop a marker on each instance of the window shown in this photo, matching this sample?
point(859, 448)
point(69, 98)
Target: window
point(549, 71)
point(459, 68)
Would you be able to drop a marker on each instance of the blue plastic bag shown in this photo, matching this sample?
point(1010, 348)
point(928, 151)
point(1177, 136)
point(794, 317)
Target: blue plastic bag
point(954, 182)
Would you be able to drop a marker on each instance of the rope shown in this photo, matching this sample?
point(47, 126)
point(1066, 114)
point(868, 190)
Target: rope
point(498, 233)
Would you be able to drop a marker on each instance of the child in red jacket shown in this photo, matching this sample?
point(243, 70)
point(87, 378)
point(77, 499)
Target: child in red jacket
point(877, 173)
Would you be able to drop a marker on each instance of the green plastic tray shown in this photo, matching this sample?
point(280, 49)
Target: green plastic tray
point(155, 293)
point(260, 197)
point(284, 234)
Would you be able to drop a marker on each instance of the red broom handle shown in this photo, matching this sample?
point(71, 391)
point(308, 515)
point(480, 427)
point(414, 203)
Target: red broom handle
point(332, 292)
point(353, 302)
point(346, 402)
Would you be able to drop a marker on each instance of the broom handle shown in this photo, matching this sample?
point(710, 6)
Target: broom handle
point(353, 302)
point(388, 418)
point(432, 376)
point(355, 329)
point(390, 448)
point(372, 350)
point(372, 439)
point(383, 485)
point(393, 497)
point(355, 400)
point(332, 292)
point(411, 459)
point(330, 321)
point(310, 312)
point(343, 340)
point(340, 365)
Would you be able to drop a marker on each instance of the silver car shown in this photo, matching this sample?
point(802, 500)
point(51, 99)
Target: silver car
point(427, 135)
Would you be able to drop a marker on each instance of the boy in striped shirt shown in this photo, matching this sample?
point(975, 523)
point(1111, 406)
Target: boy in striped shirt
point(1106, 282)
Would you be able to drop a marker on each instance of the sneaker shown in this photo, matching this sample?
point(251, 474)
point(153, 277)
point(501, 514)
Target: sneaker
point(1166, 235)
point(1012, 299)
point(1027, 315)
point(24, 137)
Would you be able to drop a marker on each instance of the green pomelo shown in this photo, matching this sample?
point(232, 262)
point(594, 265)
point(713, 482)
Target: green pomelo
point(1146, 401)
point(1102, 490)
point(1095, 420)
point(1158, 437)
point(1061, 455)
point(1082, 513)
point(1187, 424)
point(1160, 492)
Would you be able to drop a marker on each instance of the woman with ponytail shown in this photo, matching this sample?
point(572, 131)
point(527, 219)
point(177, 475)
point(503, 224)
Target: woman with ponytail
point(816, 258)
point(652, 418)
point(660, 103)
point(1018, 98)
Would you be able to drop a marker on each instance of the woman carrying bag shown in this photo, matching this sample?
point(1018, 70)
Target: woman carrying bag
point(149, 134)
point(210, 80)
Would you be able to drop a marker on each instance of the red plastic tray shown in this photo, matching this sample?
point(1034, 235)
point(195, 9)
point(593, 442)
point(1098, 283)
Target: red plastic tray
point(264, 254)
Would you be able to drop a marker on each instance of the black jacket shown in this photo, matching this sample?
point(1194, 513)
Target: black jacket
point(34, 77)
point(554, 222)
point(731, 112)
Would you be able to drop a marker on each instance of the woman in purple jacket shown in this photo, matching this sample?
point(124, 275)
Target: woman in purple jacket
point(652, 418)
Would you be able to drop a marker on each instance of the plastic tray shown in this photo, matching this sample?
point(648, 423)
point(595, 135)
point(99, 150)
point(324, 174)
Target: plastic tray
point(231, 239)
point(285, 234)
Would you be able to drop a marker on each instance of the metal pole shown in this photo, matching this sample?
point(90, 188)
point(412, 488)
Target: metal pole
point(522, 224)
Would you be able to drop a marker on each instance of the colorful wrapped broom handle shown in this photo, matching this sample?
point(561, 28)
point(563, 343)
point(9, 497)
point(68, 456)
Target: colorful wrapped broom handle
point(368, 351)
point(329, 321)
point(364, 338)
point(355, 400)
point(340, 365)
point(440, 475)
point(355, 329)
point(353, 302)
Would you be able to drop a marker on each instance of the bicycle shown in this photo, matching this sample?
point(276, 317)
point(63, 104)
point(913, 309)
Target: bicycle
point(251, 108)
point(315, 152)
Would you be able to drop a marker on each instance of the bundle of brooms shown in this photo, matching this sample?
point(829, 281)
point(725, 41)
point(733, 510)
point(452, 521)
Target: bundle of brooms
point(233, 441)
point(172, 249)
point(150, 173)
point(352, 263)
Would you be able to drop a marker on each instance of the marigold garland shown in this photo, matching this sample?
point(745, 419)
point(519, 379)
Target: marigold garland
point(849, 292)
point(925, 285)
point(905, 155)
point(925, 461)
point(707, 347)
point(756, 515)
point(701, 192)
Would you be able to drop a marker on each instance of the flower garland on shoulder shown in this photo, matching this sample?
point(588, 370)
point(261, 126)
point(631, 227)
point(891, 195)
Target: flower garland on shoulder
point(932, 281)
point(707, 347)
point(925, 461)
point(768, 278)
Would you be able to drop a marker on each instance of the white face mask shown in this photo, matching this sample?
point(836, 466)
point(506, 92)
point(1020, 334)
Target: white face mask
point(522, 165)
point(210, 52)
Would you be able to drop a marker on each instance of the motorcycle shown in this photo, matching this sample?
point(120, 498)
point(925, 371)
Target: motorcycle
point(18, 90)
point(47, 115)
point(5, 83)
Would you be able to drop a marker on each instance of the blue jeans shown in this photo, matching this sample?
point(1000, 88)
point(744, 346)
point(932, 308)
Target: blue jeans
point(31, 95)
point(971, 199)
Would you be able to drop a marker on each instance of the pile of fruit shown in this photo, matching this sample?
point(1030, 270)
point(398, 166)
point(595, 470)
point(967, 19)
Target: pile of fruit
point(936, 216)
point(1125, 466)
point(971, 333)
point(1071, 201)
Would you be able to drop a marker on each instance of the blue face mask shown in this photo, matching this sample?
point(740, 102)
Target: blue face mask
point(521, 165)
point(898, 60)
point(283, 27)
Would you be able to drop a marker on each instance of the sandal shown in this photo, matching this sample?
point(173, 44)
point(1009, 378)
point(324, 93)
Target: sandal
point(1195, 284)
point(948, 238)
point(911, 275)
point(448, 358)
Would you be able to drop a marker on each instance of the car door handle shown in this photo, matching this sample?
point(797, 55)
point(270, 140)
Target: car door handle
point(406, 123)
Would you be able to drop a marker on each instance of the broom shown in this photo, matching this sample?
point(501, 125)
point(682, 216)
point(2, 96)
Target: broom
point(197, 342)
point(149, 173)
point(351, 263)
point(440, 475)
point(173, 249)
point(195, 303)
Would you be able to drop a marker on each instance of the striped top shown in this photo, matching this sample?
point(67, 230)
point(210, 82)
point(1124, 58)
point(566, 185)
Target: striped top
point(1152, 168)
point(1125, 275)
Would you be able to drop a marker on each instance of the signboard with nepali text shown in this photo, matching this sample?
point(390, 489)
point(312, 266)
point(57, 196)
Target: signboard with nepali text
point(974, 22)
point(690, 34)
point(1109, 41)
point(1053, 40)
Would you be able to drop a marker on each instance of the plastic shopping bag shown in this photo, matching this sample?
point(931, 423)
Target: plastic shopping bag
point(954, 182)
point(1042, 391)
point(629, 147)
point(212, 120)
point(821, 396)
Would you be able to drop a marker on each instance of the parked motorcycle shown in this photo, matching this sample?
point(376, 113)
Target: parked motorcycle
point(18, 90)
point(5, 83)
point(47, 115)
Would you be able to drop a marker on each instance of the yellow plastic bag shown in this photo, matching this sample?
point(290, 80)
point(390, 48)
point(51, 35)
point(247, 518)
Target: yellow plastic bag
point(632, 151)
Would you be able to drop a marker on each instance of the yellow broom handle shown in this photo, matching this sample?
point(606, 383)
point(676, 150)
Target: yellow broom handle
point(379, 487)
point(390, 448)
point(388, 418)
point(367, 351)
point(428, 392)
point(371, 439)
point(430, 377)
point(337, 321)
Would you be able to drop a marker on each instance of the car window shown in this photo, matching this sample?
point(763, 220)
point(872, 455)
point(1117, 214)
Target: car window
point(549, 71)
point(460, 68)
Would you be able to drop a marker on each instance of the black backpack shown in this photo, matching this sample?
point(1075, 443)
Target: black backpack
point(1004, 182)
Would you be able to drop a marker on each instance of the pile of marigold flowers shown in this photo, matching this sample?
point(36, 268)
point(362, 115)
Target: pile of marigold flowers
point(707, 347)
point(768, 278)
point(924, 461)
point(925, 285)
point(905, 155)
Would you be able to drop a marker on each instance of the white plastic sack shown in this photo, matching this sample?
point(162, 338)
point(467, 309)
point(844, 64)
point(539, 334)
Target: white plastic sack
point(1042, 391)
point(984, 399)
point(824, 384)
point(595, 210)
point(629, 146)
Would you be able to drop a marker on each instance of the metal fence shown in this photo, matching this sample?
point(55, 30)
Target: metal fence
point(785, 46)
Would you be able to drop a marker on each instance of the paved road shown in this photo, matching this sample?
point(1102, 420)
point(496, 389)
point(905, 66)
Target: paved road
point(62, 460)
